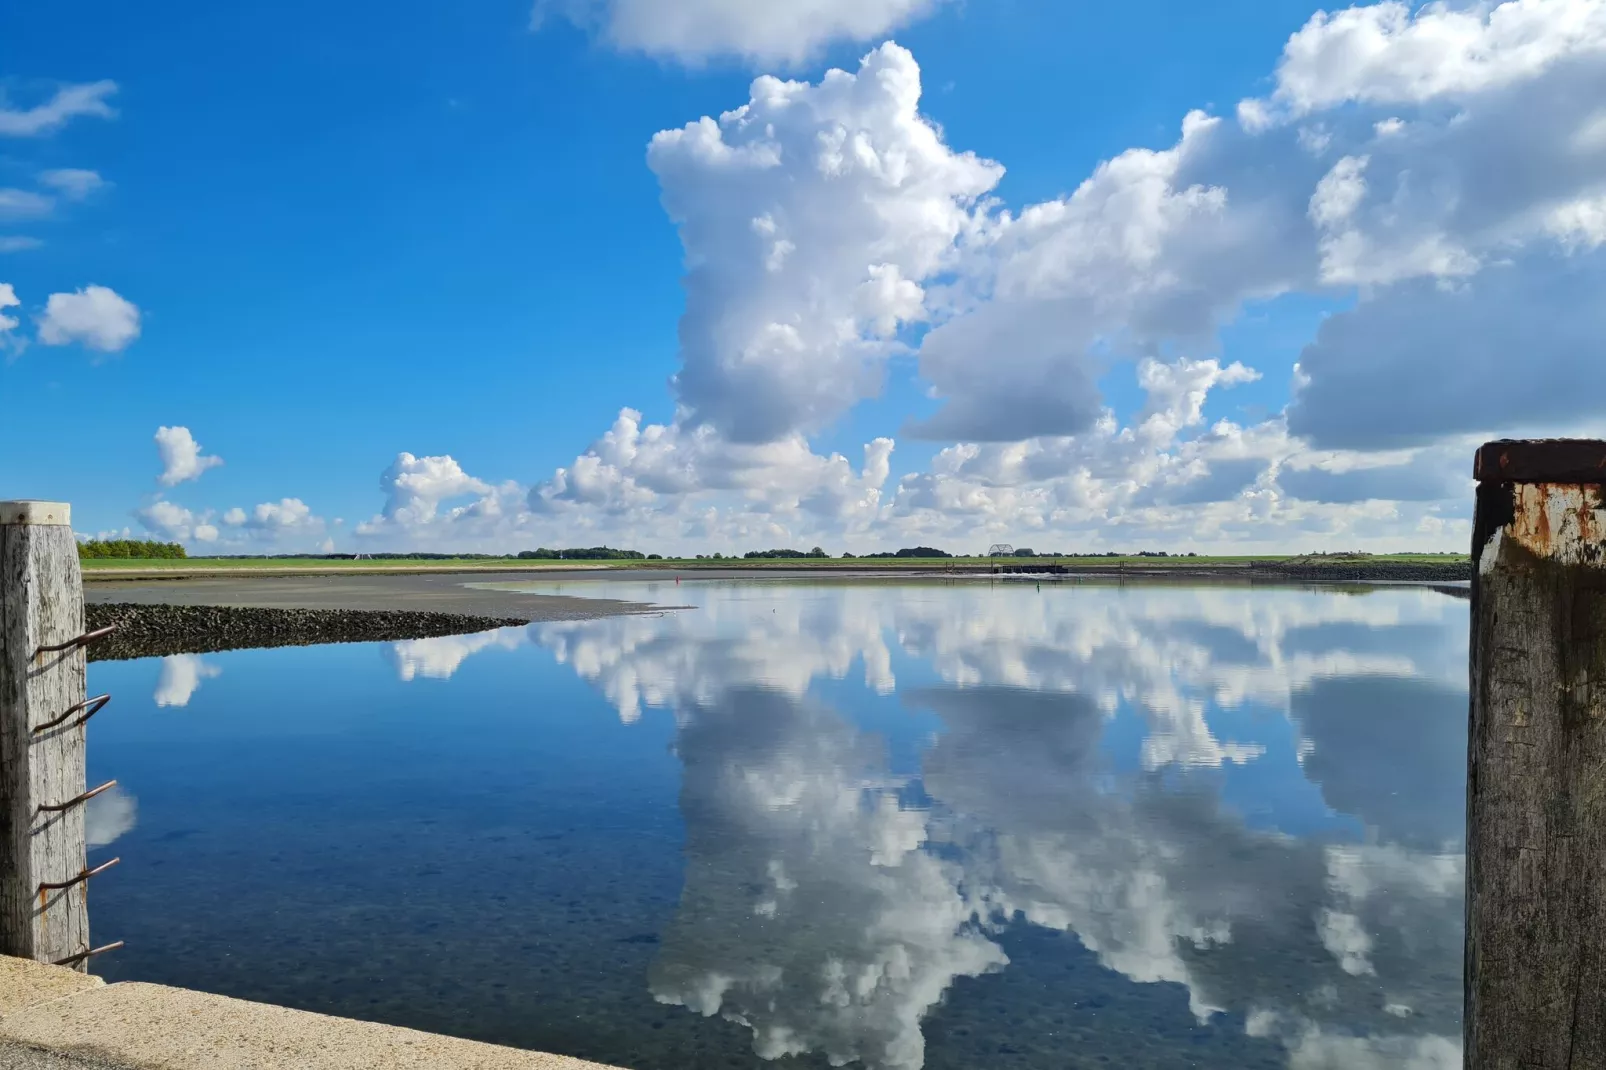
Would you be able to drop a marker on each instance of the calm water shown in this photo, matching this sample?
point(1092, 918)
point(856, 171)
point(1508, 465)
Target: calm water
point(951, 826)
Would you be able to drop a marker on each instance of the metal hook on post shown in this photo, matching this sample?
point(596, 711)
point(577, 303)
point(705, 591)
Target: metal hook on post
point(54, 886)
point(77, 641)
point(75, 800)
point(72, 960)
point(90, 706)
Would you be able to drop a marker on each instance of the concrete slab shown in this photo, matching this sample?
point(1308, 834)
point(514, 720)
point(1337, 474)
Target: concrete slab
point(153, 1027)
point(24, 983)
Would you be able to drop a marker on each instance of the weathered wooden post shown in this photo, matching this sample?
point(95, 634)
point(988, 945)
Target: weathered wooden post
point(43, 874)
point(1536, 774)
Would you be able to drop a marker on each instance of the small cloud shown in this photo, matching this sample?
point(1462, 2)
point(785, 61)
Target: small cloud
point(24, 204)
point(74, 183)
point(69, 101)
point(284, 515)
point(8, 299)
point(16, 243)
point(96, 316)
point(181, 455)
point(177, 523)
point(124, 532)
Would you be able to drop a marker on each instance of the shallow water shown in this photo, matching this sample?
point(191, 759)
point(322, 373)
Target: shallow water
point(950, 825)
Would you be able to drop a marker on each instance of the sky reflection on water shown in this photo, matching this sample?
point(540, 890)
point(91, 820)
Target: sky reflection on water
point(891, 797)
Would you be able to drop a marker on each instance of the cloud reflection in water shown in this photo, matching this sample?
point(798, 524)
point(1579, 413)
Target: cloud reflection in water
point(181, 677)
point(829, 904)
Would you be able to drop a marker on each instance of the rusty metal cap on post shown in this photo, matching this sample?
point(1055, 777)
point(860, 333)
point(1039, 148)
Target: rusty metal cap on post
point(1541, 460)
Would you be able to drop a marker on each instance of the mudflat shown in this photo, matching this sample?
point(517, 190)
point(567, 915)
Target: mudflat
point(429, 593)
point(156, 618)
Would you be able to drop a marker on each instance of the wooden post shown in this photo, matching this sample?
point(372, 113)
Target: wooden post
point(1536, 773)
point(41, 605)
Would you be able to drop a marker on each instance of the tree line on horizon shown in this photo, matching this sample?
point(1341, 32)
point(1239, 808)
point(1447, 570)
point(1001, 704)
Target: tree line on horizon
point(139, 549)
point(149, 549)
point(590, 553)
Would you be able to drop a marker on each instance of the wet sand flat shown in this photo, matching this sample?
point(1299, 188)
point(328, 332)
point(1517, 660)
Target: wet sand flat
point(430, 593)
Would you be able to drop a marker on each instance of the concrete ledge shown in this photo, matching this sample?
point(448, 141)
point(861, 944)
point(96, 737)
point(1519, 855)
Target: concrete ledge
point(75, 1021)
point(25, 983)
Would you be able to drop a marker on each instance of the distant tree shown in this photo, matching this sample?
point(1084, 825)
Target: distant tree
point(1026, 551)
point(847, 556)
point(130, 549)
point(655, 557)
point(589, 553)
point(914, 551)
point(817, 552)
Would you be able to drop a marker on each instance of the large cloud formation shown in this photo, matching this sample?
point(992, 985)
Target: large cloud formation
point(1435, 176)
point(811, 217)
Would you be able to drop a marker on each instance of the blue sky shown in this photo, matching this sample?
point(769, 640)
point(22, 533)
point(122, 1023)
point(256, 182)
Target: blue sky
point(351, 233)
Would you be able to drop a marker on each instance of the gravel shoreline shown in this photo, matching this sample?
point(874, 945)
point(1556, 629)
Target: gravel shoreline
point(145, 631)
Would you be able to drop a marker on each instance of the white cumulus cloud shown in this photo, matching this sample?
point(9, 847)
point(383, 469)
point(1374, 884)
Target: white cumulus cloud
point(97, 317)
point(289, 522)
point(288, 516)
point(176, 523)
point(1387, 53)
point(415, 489)
point(812, 216)
point(181, 456)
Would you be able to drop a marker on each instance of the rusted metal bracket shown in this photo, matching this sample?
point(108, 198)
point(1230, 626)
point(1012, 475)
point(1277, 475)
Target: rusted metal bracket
point(92, 706)
point(78, 641)
point(76, 799)
point(53, 886)
point(82, 955)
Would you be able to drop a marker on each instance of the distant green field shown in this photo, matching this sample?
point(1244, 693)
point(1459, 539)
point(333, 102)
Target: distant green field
point(190, 564)
point(194, 564)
